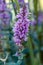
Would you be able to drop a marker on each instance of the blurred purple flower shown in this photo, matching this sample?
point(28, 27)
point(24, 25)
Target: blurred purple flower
point(33, 23)
point(40, 18)
point(2, 5)
point(20, 28)
point(4, 15)
point(20, 0)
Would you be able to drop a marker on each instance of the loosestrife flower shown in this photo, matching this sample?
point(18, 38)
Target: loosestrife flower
point(4, 14)
point(20, 28)
point(2, 5)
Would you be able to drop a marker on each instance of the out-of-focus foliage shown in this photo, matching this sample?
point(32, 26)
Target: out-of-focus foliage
point(32, 49)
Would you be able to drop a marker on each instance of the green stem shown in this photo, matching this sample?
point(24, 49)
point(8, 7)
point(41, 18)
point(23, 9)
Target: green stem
point(36, 14)
point(17, 4)
point(35, 8)
point(39, 63)
point(29, 44)
point(13, 7)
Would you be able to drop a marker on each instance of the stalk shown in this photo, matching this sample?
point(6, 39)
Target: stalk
point(29, 44)
point(17, 4)
point(36, 14)
point(13, 7)
point(35, 8)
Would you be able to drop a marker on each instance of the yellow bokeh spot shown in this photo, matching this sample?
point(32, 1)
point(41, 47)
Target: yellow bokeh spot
point(41, 4)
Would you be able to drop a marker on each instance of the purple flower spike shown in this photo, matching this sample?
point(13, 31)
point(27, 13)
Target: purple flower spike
point(4, 15)
point(21, 27)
